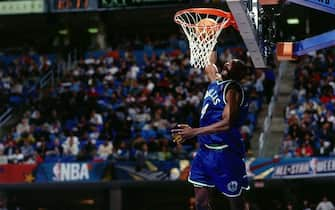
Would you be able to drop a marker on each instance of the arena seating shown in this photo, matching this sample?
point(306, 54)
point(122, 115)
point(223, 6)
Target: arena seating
point(19, 75)
point(113, 104)
point(310, 114)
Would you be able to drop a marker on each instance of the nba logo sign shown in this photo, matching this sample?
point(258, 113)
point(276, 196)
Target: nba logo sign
point(232, 186)
point(70, 172)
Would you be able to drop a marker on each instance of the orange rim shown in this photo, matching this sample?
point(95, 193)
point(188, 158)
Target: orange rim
point(205, 11)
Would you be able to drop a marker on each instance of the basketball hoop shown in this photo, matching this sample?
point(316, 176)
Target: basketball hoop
point(202, 27)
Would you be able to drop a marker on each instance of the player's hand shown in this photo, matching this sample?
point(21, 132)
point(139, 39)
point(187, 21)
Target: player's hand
point(176, 138)
point(182, 133)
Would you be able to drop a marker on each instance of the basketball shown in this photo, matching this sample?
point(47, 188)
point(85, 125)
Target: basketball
point(202, 27)
point(205, 27)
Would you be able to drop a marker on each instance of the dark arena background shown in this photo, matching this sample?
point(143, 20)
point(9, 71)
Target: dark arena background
point(90, 89)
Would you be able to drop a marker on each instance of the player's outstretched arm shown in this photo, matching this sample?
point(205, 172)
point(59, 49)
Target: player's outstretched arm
point(229, 115)
point(213, 57)
point(211, 70)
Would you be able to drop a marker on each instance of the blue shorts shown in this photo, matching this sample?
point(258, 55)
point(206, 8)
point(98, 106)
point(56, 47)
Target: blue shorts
point(220, 168)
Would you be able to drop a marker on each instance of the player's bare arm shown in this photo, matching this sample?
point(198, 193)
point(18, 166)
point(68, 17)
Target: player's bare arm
point(229, 114)
point(211, 70)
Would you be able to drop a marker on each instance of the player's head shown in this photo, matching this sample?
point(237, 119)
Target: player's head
point(234, 69)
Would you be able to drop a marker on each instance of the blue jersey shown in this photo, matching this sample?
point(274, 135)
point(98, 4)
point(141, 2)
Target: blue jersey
point(212, 109)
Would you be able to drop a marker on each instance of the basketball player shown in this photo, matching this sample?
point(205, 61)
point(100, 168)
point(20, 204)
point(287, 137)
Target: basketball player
point(220, 160)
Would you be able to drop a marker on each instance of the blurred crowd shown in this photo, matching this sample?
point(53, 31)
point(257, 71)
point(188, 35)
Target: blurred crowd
point(18, 75)
point(122, 104)
point(305, 204)
point(310, 113)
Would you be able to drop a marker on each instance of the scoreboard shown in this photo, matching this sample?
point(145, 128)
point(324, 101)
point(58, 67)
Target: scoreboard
point(132, 3)
point(22, 7)
point(96, 5)
point(71, 5)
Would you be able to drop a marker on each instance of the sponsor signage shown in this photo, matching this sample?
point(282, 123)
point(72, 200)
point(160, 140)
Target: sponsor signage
point(258, 169)
point(67, 172)
point(311, 168)
point(71, 172)
point(287, 168)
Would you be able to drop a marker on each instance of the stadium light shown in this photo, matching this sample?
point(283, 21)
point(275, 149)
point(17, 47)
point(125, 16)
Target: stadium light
point(93, 30)
point(87, 202)
point(63, 32)
point(293, 21)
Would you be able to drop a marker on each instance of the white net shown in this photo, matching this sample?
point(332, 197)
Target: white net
point(202, 38)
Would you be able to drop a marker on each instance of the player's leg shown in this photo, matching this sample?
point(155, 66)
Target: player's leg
point(230, 178)
point(202, 182)
point(203, 198)
point(236, 203)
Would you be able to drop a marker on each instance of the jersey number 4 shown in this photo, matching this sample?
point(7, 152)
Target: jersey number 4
point(203, 110)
